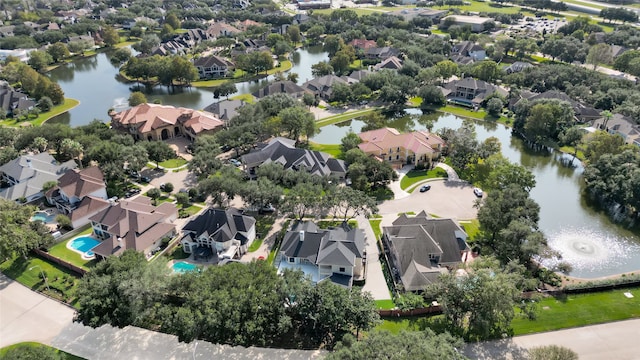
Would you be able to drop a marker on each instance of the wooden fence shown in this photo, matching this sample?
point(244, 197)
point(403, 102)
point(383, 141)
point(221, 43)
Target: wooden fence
point(431, 310)
point(56, 260)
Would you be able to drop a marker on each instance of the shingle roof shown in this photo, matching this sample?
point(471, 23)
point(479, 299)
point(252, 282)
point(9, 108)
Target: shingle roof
point(279, 87)
point(32, 172)
point(208, 61)
point(81, 183)
point(220, 225)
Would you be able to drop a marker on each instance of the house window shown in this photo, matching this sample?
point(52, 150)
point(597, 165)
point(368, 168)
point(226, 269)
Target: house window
point(342, 269)
point(292, 260)
point(390, 150)
point(397, 157)
point(398, 149)
point(389, 158)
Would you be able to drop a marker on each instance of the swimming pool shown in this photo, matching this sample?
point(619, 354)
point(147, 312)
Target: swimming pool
point(183, 267)
point(43, 216)
point(83, 245)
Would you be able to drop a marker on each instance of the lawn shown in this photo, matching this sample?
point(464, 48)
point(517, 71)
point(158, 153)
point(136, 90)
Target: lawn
point(331, 149)
point(255, 245)
point(416, 176)
point(323, 224)
point(344, 117)
point(173, 163)
point(178, 254)
point(67, 105)
point(580, 310)
point(375, 225)
point(60, 250)
point(63, 355)
point(248, 98)
point(385, 304)
point(28, 272)
point(476, 115)
point(410, 324)
point(191, 209)
point(471, 227)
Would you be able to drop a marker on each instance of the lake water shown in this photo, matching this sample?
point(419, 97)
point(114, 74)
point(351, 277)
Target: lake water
point(95, 83)
point(585, 237)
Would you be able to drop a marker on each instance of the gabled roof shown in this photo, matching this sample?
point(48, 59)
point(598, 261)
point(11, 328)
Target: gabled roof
point(323, 85)
point(220, 225)
point(283, 152)
point(356, 76)
point(89, 205)
point(80, 183)
point(225, 109)
point(465, 47)
point(481, 88)
point(392, 63)
point(517, 67)
point(209, 61)
point(221, 28)
point(363, 43)
point(420, 142)
point(279, 87)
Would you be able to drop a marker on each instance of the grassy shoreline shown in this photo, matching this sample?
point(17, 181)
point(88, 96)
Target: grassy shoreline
point(67, 105)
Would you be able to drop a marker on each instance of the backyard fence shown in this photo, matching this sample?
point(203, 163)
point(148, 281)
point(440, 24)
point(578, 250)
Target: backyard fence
point(431, 310)
point(56, 260)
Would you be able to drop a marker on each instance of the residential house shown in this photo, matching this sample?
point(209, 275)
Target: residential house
point(517, 67)
point(225, 110)
point(87, 40)
point(7, 31)
point(420, 248)
point(26, 175)
point(469, 49)
point(616, 50)
point(322, 87)
point(212, 66)
point(380, 53)
point(246, 24)
point(241, 4)
point(12, 101)
point(281, 87)
point(282, 151)
point(133, 224)
point(220, 29)
point(223, 234)
point(390, 63)
point(334, 254)
point(399, 149)
point(356, 76)
point(161, 122)
point(363, 44)
point(79, 194)
point(581, 111)
point(313, 4)
point(476, 23)
point(620, 125)
point(21, 54)
point(299, 19)
point(471, 92)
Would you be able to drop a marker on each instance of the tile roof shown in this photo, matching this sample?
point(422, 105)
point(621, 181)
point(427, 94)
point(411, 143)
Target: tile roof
point(419, 142)
point(147, 117)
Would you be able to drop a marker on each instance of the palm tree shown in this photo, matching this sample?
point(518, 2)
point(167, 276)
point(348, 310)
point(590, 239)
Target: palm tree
point(72, 149)
point(607, 116)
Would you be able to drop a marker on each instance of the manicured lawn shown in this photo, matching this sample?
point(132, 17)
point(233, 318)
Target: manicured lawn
point(415, 176)
point(471, 227)
point(375, 225)
point(210, 83)
point(191, 209)
point(580, 310)
point(477, 115)
point(570, 150)
point(67, 105)
point(178, 254)
point(331, 149)
point(385, 304)
point(323, 224)
point(64, 355)
point(248, 98)
point(173, 163)
point(344, 117)
point(255, 245)
point(28, 272)
point(60, 250)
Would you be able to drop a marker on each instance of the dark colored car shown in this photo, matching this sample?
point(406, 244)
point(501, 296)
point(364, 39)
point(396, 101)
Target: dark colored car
point(145, 179)
point(131, 192)
point(425, 188)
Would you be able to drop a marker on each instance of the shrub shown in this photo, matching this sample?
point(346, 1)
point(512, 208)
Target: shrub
point(154, 193)
point(64, 222)
point(182, 199)
point(167, 187)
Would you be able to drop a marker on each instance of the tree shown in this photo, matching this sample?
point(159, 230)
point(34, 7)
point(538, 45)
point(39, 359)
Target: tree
point(225, 89)
point(332, 44)
point(447, 68)
point(296, 121)
point(148, 42)
point(167, 187)
point(39, 144)
point(494, 107)
point(58, 51)
point(350, 141)
point(30, 351)
point(204, 161)
point(499, 173)
point(552, 352)
point(347, 203)
point(341, 93)
point(71, 149)
point(45, 104)
point(302, 199)
point(110, 36)
point(261, 192)
point(158, 151)
point(321, 69)
point(486, 70)
point(154, 193)
point(173, 21)
point(183, 70)
point(602, 143)
point(293, 32)
point(64, 222)
point(310, 100)
point(431, 95)
point(136, 98)
point(340, 62)
point(18, 235)
point(166, 33)
point(599, 54)
point(572, 137)
point(418, 345)
point(39, 60)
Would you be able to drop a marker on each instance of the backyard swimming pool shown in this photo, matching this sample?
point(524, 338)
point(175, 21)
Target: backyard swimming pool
point(43, 216)
point(183, 267)
point(83, 245)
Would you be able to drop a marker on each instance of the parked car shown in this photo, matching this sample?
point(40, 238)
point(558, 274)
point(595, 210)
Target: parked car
point(478, 192)
point(425, 188)
point(235, 162)
point(131, 192)
point(267, 209)
point(134, 174)
point(145, 179)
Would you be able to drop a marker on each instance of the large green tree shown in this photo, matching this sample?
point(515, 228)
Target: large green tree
point(19, 235)
point(297, 121)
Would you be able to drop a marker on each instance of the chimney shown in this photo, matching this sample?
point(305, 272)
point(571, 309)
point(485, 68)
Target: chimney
point(301, 235)
point(282, 87)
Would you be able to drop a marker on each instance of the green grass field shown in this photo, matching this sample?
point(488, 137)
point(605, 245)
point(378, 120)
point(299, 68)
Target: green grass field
point(471, 227)
point(375, 225)
point(63, 355)
point(331, 149)
point(385, 304)
point(343, 117)
point(415, 176)
point(173, 163)
point(60, 250)
point(40, 119)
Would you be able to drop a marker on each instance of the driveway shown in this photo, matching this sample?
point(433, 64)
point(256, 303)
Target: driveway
point(449, 199)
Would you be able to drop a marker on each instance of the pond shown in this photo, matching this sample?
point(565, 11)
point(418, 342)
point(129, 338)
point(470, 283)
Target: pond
point(94, 81)
point(584, 236)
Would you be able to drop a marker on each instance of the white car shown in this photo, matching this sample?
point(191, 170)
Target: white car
point(478, 192)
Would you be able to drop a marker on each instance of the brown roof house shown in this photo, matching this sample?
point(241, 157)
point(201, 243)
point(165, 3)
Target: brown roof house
point(620, 125)
point(322, 86)
point(420, 248)
point(471, 92)
point(80, 193)
point(281, 87)
point(161, 122)
point(212, 66)
point(133, 224)
point(388, 144)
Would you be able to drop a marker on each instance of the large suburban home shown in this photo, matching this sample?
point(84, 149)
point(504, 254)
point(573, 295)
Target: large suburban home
point(80, 194)
point(223, 234)
point(399, 149)
point(363, 44)
point(133, 224)
point(517, 67)
point(356, 76)
point(26, 176)
point(476, 23)
point(322, 87)
point(582, 112)
point(420, 248)
point(225, 110)
point(12, 101)
point(471, 92)
point(161, 122)
point(212, 66)
point(380, 53)
point(418, 12)
point(280, 87)
point(468, 49)
point(334, 254)
point(621, 125)
point(390, 63)
point(282, 151)
point(220, 29)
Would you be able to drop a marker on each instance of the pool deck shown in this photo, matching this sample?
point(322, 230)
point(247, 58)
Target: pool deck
point(83, 254)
